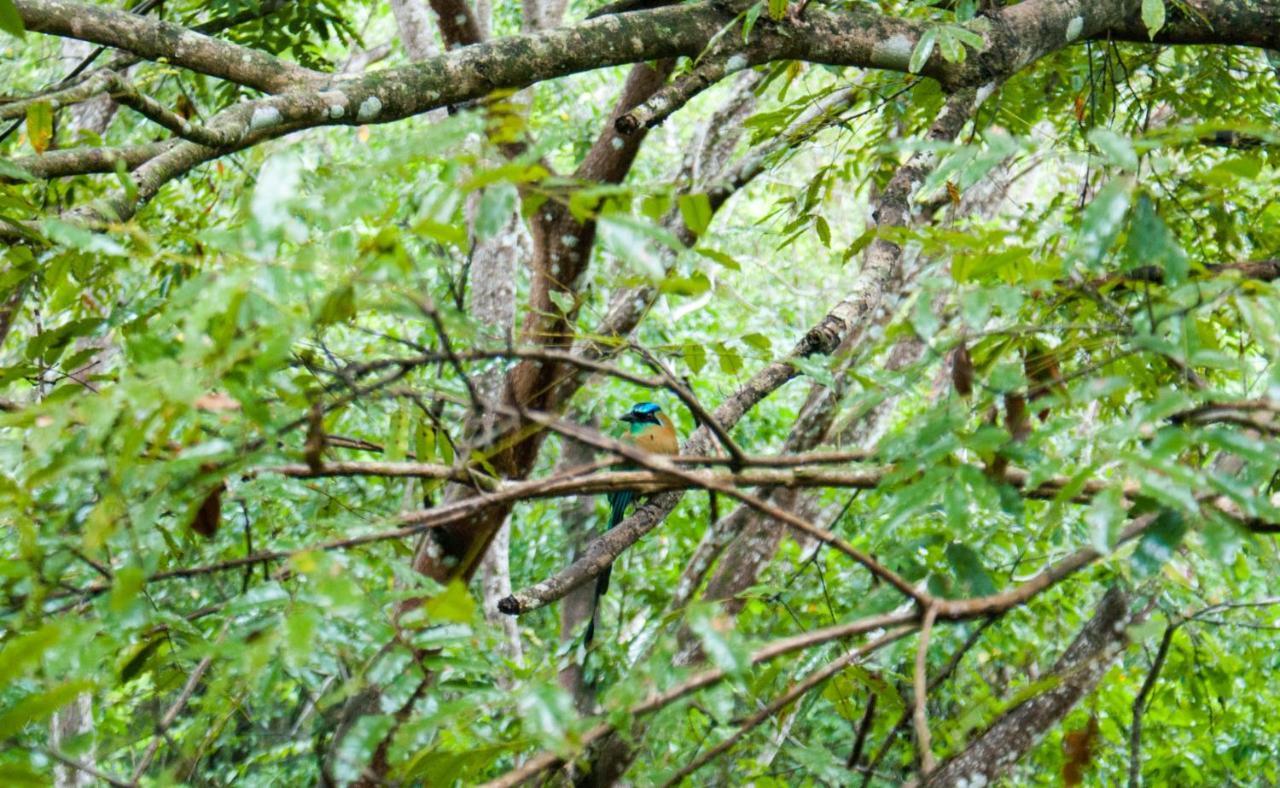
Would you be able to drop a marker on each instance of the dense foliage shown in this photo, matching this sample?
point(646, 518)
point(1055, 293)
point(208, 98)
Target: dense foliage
point(1074, 350)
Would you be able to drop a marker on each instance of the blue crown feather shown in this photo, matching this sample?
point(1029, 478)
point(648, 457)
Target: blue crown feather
point(645, 408)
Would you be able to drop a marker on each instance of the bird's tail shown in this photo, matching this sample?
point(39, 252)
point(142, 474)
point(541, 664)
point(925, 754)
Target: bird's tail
point(618, 503)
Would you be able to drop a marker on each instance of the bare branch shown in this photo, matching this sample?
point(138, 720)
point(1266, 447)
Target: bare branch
point(920, 717)
point(458, 25)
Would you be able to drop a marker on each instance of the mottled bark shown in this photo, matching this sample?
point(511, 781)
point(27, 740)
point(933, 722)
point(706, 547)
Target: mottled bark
point(492, 303)
point(457, 22)
point(72, 721)
point(541, 14)
point(993, 753)
point(94, 115)
point(154, 39)
point(417, 30)
point(495, 584)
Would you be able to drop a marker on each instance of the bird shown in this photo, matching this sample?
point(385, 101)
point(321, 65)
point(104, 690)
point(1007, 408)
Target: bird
point(651, 430)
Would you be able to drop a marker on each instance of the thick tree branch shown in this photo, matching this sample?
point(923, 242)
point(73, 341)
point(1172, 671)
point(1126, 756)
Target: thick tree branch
point(1019, 35)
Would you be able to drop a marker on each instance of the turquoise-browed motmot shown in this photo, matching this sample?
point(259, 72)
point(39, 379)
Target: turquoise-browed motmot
point(650, 430)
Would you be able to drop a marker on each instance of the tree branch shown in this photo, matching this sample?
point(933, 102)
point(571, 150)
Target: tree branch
point(153, 39)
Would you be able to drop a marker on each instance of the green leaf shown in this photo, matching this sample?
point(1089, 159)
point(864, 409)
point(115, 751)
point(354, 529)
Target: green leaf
point(128, 585)
point(25, 650)
point(695, 356)
point(398, 434)
point(562, 300)
point(10, 170)
point(695, 284)
point(750, 18)
point(1102, 221)
point(1105, 517)
point(635, 243)
point(338, 306)
point(730, 359)
point(967, 565)
point(11, 20)
point(496, 208)
point(852, 684)
point(923, 49)
point(1153, 14)
point(1151, 242)
point(138, 657)
point(439, 231)
point(719, 257)
point(695, 209)
point(815, 369)
point(454, 604)
point(859, 243)
point(424, 442)
point(1159, 541)
point(1116, 148)
point(758, 341)
point(727, 654)
point(777, 9)
point(824, 231)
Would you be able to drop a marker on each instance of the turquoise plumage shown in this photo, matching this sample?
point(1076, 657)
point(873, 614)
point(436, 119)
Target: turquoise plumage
point(651, 430)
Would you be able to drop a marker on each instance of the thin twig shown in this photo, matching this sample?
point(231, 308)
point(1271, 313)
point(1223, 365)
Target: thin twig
point(691, 402)
point(63, 758)
point(590, 565)
point(175, 709)
point(429, 309)
point(864, 728)
point(905, 719)
point(800, 688)
point(920, 716)
point(1140, 705)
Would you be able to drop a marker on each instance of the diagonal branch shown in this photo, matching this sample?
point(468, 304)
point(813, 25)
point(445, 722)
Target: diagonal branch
point(675, 95)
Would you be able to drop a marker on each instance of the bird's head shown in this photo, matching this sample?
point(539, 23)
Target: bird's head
point(642, 413)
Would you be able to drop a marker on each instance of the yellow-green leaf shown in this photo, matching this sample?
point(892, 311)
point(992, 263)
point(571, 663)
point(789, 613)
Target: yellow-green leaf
point(40, 125)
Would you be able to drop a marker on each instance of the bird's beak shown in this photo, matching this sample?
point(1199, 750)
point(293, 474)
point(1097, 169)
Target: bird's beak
point(628, 417)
